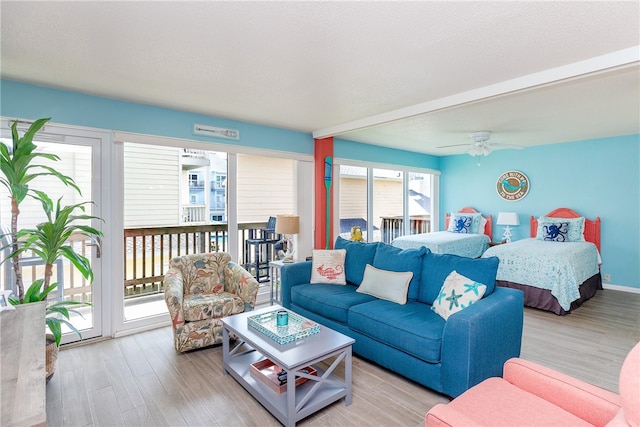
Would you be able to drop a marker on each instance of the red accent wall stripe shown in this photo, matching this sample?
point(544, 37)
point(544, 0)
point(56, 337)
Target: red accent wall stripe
point(323, 147)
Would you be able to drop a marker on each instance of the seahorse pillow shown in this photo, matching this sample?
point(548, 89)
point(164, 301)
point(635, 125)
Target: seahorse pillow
point(457, 293)
point(467, 223)
point(327, 266)
point(560, 229)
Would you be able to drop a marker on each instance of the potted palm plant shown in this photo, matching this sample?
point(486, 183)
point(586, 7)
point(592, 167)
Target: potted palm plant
point(49, 239)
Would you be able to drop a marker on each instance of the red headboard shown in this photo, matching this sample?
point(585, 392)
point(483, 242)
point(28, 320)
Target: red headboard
point(488, 228)
point(591, 227)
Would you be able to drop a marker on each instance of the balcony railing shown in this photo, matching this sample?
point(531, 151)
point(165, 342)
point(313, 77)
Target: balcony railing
point(194, 214)
point(393, 226)
point(148, 251)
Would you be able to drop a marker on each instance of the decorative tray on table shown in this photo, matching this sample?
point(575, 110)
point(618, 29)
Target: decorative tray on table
point(297, 328)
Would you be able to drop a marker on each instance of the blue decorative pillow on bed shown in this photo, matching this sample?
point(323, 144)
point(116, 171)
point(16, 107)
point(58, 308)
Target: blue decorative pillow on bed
point(468, 223)
point(561, 229)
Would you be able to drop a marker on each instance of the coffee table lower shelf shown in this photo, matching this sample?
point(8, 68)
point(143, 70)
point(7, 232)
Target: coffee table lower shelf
point(239, 368)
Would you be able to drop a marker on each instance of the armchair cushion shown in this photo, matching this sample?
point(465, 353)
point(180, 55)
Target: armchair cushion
point(211, 306)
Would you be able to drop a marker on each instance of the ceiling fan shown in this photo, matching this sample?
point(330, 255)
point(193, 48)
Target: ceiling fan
point(480, 144)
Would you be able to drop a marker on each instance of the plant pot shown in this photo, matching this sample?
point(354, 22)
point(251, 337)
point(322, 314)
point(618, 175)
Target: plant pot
point(52, 355)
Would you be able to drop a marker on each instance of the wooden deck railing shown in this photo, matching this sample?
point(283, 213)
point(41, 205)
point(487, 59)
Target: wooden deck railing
point(149, 249)
point(147, 252)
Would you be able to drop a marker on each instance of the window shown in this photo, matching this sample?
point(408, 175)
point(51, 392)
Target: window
point(384, 203)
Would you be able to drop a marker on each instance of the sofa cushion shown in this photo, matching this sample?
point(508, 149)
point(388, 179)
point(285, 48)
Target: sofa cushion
point(437, 267)
point(395, 259)
point(330, 301)
point(412, 328)
point(328, 266)
point(389, 285)
point(202, 273)
point(359, 254)
point(457, 293)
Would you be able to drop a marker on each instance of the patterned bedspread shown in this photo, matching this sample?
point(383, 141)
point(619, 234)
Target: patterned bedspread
point(558, 267)
point(446, 242)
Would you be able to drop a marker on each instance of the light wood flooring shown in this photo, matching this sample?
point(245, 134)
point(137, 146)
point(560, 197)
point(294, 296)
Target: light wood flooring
point(139, 380)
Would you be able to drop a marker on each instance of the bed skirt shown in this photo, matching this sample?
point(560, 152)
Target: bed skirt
point(542, 298)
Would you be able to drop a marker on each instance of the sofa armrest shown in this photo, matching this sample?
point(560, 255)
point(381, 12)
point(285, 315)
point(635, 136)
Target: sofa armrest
point(443, 415)
point(478, 340)
point(586, 401)
point(173, 295)
point(292, 275)
point(240, 282)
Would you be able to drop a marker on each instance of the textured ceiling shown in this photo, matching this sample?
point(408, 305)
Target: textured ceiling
point(409, 75)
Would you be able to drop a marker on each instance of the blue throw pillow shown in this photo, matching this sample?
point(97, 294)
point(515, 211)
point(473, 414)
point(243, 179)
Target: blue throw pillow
point(437, 267)
point(359, 254)
point(391, 258)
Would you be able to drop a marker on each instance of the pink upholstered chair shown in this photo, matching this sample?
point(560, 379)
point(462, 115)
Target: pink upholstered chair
point(532, 395)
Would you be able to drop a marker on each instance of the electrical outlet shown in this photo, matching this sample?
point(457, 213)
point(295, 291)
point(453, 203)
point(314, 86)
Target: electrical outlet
point(606, 278)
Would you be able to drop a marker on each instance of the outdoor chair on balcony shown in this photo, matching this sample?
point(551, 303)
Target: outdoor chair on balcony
point(259, 249)
point(200, 290)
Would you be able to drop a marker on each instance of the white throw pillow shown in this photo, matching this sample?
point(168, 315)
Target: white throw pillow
point(389, 285)
point(327, 266)
point(457, 292)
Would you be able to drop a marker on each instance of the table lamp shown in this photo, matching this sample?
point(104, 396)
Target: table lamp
point(287, 225)
point(507, 219)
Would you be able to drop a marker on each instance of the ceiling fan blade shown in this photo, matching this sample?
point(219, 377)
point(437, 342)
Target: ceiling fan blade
point(454, 145)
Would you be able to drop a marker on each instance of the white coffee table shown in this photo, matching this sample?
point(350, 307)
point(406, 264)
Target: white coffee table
point(299, 401)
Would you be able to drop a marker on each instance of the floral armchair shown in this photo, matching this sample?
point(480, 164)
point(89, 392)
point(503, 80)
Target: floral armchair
point(200, 290)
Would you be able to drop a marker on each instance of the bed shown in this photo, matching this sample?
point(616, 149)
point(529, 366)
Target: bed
point(458, 240)
point(558, 267)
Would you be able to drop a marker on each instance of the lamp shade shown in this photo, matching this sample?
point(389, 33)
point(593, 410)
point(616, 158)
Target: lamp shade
point(287, 224)
point(508, 218)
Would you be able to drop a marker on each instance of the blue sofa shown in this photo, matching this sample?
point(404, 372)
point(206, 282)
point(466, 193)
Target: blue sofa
point(447, 356)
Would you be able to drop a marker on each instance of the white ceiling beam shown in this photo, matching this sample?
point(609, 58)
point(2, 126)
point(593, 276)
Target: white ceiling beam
point(603, 63)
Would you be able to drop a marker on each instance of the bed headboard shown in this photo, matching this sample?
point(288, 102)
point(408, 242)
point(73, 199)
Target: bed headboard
point(488, 228)
point(591, 227)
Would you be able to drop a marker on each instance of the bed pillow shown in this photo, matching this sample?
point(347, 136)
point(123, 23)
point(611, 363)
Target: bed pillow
point(388, 285)
point(359, 254)
point(391, 258)
point(457, 293)
point(466, 223)
point(483, 224)
point(327, 266)
point(560, 229)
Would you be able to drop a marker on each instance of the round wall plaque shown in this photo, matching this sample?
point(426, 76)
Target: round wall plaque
point(512, 185)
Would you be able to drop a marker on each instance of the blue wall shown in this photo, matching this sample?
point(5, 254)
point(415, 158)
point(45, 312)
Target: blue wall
point(594, 178)
point(598, 177)
point(26, 101)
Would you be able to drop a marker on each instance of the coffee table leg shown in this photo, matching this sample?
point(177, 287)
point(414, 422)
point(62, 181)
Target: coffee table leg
point(347, 376)
point(291, 398)
point(225, 349)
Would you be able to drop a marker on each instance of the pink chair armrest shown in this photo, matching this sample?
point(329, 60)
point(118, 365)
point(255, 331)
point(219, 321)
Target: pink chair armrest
point(443, 415)
point(588, 402)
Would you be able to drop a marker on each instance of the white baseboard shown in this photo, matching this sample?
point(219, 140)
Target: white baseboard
point(621, 288)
